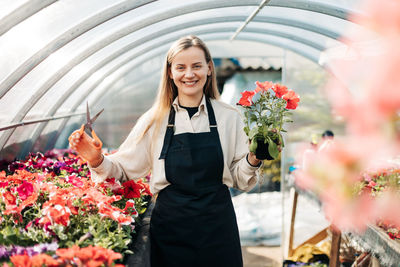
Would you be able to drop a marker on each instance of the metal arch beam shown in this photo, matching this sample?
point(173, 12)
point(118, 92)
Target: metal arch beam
point(315, 6)
point(64, 38)
point(21, 13)
point(187, 9)
point(221, 35)
point(79, 29)
point(39, 129)
point(298, 24)
point(170, 29)
point(161, 50)
point(173, 28)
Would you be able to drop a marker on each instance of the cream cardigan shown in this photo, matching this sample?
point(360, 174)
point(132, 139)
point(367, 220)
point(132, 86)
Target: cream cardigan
point(135, 159)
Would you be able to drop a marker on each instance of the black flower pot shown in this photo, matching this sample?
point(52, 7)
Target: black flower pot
point(262, 150)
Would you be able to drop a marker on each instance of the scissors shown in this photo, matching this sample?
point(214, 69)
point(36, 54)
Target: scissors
point(87, 127)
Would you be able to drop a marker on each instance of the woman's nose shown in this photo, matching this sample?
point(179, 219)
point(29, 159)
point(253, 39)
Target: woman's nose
point(189, 73)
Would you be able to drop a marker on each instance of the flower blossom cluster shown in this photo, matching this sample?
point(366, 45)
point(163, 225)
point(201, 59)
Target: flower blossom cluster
point(367, 97)
point(44, 199)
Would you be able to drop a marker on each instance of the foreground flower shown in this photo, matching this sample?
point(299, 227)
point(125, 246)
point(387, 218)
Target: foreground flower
point(280, 90)
point(246, 98)
point(292, 99)
point(265, 114)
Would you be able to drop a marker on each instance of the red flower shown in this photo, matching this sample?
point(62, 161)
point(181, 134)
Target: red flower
point(280, 90)
point(292, 99)
point(145, 188)
point(9, 198)
point(130, 208)
point(264, 86)
point(3, 184)
point(131, 189)
point(25, 190)
point(21, 260)
point(72, 179)
point(246, 98)
point(44, 260)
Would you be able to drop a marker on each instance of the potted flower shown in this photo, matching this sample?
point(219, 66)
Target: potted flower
point(266, 110)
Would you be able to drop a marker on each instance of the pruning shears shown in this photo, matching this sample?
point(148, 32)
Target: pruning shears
point(87, 127)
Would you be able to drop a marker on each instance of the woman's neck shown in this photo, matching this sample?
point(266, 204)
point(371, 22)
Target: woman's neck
point(188, 101)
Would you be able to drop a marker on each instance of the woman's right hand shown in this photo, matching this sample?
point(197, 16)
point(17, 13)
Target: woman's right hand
point(87, 147)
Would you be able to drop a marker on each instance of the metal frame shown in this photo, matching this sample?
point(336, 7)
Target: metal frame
point(157, 52)
point(186, 8)
point(171, 39)
point(97, 19)
point(22, 12)
point(59, 74)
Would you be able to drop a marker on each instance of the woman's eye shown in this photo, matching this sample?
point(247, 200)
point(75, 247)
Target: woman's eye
point(197, 67)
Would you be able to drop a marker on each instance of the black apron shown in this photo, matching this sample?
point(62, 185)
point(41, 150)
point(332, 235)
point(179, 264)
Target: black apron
point(193, 222)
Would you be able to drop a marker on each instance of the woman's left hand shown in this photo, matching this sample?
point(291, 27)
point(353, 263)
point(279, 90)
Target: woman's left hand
point(252, 159)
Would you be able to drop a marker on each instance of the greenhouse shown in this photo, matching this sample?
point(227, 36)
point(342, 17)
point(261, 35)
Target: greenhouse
point(199, 133)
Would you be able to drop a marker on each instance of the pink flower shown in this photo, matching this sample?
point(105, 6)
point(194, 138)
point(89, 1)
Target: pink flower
point(263, 86)
point(3, 184)
point(25, 190)
point(73, 179)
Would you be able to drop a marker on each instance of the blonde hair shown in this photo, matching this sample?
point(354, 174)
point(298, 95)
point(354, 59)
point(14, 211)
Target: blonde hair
point(167, 90)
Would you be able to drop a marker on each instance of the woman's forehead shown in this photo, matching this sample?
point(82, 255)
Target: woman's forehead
point(189, 56)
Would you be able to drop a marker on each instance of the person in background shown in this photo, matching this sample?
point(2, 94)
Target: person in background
point(327, 140)
point(310, 152)
point(196, 148)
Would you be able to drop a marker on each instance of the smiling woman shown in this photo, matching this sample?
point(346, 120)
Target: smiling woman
point(200, 153)
point(190, 70)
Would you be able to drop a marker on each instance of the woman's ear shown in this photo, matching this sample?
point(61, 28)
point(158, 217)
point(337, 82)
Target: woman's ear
point(209, 69)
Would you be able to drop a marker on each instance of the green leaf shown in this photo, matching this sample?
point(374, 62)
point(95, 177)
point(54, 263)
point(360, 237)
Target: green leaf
point(253, 145)
point(273, 149)
point(253, 118)
point(246, 130)
point(281, 139)
point(253, 132)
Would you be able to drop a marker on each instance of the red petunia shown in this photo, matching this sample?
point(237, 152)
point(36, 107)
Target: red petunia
point(3, 184)
point(9, 198)
point(21, 260)
point(246, 98)
point(292, 99)
point(44, 260)
point(25, 190)
point(263, 86)
point(280, 90)
point(131, 189)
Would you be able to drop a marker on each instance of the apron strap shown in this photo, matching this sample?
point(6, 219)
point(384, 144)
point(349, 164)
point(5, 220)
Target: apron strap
point(211, 116)
point(171, 127)
point(169, 133)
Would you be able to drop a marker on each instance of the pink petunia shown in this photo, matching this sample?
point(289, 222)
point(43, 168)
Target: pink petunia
point(25, 190)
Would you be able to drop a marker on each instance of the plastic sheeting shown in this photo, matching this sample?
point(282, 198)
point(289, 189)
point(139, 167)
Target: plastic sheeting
point(260, 216)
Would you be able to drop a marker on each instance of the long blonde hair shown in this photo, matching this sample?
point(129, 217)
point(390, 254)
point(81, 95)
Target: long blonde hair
point(167, 90)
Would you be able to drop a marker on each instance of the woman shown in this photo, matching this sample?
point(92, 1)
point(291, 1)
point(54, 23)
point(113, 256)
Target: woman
point(196, 148)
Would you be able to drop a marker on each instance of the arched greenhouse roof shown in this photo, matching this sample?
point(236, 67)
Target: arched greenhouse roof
point(57, 55)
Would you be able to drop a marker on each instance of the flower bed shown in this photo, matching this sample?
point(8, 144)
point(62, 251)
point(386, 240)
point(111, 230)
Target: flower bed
point(52, 214)
point(376, 184)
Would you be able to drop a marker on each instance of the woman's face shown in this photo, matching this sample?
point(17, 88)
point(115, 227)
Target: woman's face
point(189, 71)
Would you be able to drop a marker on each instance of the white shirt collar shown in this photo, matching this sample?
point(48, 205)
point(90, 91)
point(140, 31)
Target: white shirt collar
point(202, 106)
